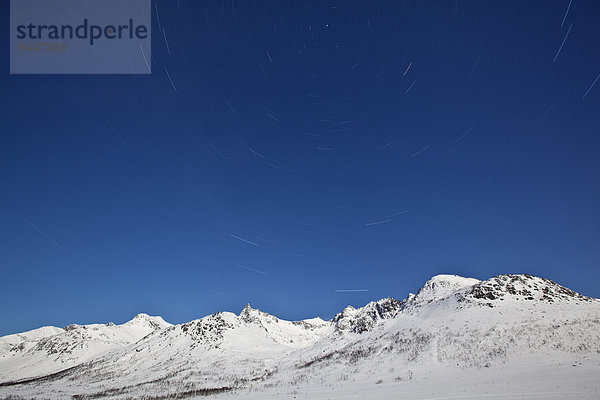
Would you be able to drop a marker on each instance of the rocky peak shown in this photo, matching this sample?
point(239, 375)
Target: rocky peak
point(524, 287)
point(249, 314)
point(364, 319)
point(71, 327)
point(245, 313)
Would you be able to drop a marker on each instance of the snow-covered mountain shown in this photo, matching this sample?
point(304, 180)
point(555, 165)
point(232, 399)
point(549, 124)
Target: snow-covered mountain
point(49, 349)
point(509, 334)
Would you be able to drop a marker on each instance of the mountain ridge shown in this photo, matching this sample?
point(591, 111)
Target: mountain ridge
point(451, 320)
point(484, 289)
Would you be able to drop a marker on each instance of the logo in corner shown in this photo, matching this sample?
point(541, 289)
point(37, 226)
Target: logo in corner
point(80, 37)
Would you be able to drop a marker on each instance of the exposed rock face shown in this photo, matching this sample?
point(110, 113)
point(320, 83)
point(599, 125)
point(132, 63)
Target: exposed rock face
point(364, 319)
point(208, 329)
point(524, 287)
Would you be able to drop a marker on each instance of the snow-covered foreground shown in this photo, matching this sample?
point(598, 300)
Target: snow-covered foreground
point(510, 337)
point(535, 382)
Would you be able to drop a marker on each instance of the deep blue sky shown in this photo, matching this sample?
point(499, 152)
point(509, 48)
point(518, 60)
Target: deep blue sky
point(351, 145)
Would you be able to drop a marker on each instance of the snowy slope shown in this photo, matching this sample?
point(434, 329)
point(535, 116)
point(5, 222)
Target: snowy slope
point(512, 335)
point(49, 349)
point(440, 287)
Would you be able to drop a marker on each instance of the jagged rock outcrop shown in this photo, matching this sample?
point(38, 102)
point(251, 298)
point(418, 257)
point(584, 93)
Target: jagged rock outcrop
point(365, 318)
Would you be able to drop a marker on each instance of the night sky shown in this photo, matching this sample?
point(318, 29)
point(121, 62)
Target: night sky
point(302, 156)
